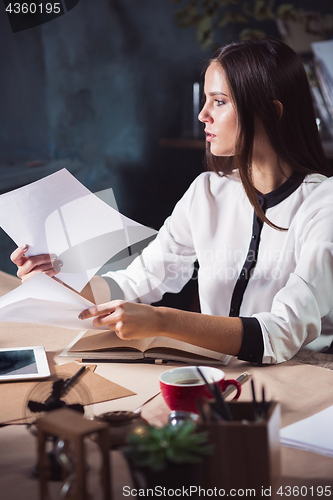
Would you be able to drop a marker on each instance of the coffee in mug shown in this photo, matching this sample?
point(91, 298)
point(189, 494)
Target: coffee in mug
point(182, 387)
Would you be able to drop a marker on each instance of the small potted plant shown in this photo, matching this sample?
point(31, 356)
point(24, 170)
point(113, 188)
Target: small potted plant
point(209, 17)
point(170, 456)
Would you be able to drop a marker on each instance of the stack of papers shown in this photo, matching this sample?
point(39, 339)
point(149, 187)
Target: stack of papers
point(58, 215)
point(311, 434)
point(44, 301)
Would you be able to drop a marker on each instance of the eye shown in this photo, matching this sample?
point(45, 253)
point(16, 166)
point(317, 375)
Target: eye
point(218, 102)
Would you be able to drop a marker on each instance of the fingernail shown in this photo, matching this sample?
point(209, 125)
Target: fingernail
point(57, 265)
point(80, 316)
point(24, 248)
point(53, 256)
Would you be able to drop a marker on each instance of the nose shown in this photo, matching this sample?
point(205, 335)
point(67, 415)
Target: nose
point(204, 115)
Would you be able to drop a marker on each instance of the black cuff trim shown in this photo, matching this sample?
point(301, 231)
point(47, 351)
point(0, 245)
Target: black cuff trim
point(252, 348)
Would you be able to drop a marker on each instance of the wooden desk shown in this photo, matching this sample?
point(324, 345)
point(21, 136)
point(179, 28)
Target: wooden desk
point(301, 389)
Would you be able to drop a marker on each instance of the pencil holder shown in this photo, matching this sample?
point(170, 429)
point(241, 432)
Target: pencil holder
point(246, 452)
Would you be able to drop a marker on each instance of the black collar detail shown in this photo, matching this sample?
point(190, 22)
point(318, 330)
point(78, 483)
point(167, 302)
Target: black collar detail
point(282, 192)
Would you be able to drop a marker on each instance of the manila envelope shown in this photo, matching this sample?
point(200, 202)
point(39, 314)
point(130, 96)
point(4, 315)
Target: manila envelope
point(90, 389)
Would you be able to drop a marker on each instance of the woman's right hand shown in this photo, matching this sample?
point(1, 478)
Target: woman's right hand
point(30, 266)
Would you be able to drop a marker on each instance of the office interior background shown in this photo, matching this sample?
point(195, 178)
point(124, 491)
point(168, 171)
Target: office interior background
point(95, 91)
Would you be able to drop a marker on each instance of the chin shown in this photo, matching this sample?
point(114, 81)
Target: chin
point(222, 153)
point(218, 151)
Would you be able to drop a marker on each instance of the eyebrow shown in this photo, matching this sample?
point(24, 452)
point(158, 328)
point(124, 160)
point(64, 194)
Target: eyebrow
point(217, 93)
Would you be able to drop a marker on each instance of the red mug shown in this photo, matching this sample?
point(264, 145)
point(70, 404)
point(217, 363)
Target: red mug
point(182, 387)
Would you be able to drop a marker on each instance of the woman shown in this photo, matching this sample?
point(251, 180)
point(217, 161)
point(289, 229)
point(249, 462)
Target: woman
point(259, 222)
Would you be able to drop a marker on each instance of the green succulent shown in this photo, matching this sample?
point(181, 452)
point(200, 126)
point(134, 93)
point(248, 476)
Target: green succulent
point(177, 444)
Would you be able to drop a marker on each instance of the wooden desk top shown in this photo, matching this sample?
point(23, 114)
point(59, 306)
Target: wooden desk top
point(302, 389)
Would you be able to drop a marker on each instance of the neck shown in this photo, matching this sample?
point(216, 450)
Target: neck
point(268, 171)
point(268, 177)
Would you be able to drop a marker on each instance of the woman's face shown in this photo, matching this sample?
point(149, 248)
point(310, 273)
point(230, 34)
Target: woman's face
point(218, 113)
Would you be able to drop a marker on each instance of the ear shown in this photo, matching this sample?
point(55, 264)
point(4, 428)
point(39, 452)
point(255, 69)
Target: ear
point(278, 108)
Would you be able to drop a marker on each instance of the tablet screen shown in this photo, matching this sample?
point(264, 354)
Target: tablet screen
point(23, 363)
point(17, 362)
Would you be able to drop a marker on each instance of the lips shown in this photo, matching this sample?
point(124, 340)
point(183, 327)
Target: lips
point(209, 136)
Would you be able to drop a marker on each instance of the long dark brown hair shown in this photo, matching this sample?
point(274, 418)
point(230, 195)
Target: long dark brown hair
point(260, 72)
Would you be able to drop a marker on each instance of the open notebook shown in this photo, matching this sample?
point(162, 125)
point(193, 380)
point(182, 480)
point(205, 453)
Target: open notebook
point(106, 345)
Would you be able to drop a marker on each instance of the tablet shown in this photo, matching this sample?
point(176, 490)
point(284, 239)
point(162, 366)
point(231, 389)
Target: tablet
point(22, 363)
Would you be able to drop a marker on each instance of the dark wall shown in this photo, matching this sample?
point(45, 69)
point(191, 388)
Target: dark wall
point(101, 84)
point(23, 106)
point(98, 88)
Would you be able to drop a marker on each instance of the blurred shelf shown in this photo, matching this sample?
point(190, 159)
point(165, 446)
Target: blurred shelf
point(183, 143)
point(201, 144)
point(20, 174)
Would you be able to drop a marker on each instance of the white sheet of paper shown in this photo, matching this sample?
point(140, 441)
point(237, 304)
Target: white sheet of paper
point(311, 434)
point(43, 300)
point(58, 215)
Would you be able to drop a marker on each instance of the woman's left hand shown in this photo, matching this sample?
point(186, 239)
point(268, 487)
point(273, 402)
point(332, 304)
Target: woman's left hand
point(128, 319)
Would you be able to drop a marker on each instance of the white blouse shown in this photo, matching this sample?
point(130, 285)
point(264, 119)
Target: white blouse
point(288, 293)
